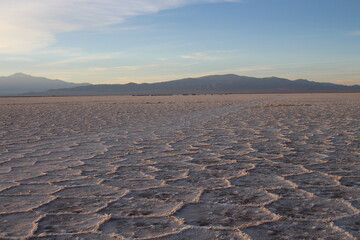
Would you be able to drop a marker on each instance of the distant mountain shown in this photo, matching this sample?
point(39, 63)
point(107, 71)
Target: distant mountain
point(19, 83)
point(229, 83)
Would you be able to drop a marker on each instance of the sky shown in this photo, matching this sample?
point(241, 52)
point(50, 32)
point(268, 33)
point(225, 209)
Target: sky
point(121, 41)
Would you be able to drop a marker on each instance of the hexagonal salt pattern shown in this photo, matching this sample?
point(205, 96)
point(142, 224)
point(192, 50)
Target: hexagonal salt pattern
point(180, 167)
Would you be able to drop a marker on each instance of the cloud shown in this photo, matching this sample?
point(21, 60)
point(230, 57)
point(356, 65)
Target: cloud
point(84, 58)
point(199, 56)
point(27, 25)
point(125, 68)
point(253, 69)
point(16, 59)
point(17, 39)
point(354, 33)
point(70, 52)
point(240, 70)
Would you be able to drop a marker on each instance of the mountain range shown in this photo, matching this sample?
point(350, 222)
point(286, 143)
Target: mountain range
point(20, 83)
point(229, 83)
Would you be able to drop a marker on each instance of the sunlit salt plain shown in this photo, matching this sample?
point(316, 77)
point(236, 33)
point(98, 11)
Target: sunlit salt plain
point(180, 167)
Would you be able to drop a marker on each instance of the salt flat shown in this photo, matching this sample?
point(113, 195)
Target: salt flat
point(180, 167)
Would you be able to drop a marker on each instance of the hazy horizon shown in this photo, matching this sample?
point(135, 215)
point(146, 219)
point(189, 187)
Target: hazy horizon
point(125, 41)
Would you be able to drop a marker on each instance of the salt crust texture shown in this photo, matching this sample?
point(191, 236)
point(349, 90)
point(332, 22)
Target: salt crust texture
point(180, 167)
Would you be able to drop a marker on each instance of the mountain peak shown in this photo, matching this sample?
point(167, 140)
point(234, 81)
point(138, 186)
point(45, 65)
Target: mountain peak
point(20, 74)
point(302, 80)
point(19, 83)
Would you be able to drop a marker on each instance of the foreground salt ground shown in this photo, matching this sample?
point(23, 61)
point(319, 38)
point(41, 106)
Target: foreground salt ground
point(180, 167)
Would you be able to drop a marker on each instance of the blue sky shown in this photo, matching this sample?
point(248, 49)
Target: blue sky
point(120, 41)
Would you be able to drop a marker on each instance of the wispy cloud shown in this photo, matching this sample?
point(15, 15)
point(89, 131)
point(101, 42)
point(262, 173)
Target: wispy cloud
point(26, 25)
point(16, 59)
point(354, 33)
point(252, 69)
point(199, 56)
point(239, 70)
point(83, 58)
point(125, 68)
point(69, 52)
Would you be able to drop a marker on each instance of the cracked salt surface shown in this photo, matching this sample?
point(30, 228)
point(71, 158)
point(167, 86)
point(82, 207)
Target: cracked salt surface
point(180, 167)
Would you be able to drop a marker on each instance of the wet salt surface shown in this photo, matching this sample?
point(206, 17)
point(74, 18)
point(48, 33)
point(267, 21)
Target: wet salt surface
point(180, 167)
